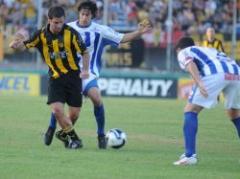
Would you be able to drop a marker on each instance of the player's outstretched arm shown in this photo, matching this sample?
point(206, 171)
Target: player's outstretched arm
point(143, 27)
point(17, 42)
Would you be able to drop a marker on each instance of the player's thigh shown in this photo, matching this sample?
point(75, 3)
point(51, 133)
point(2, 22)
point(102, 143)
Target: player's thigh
point(57, 108)
point(73, 112)
point(91, 89)
point(74, 92)
point(89, 83)
point(214, 84)
point(56, 91)
point(95, 95)
point(232, 95)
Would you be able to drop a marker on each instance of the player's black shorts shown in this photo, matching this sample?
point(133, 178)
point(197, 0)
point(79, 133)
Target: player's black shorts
point(66, 89)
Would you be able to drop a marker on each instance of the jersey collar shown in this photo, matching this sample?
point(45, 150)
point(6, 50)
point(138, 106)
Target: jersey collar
point(81, 26)
point(60, 33)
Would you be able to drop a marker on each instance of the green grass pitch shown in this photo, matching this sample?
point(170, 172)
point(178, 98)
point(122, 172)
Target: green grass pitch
point(154, 130)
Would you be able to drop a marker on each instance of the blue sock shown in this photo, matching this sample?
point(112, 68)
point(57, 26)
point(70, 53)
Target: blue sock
point(100, 119)
point(236, 122)
point(190, 131)
point(53, 121)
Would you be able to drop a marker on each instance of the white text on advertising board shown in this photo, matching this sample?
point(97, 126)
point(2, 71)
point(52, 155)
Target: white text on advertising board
point(135, 87)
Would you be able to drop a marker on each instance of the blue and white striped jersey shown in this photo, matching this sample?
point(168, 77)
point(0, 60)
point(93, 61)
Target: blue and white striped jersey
point(96, 36)
point(208, 60)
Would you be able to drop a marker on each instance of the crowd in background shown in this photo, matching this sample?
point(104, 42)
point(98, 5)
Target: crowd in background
point(189, 16)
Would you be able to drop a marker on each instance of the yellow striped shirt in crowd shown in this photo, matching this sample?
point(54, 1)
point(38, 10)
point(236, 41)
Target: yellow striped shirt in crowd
point(217, 44)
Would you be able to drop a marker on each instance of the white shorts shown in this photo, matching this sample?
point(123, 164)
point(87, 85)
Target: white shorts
point(215, 84)
point(89, 83)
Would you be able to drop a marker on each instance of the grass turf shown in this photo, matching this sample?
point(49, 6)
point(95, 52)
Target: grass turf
point(154, 129)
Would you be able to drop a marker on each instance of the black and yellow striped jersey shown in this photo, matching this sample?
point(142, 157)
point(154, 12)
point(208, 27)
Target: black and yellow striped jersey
point(217, 44)
point(60, 51)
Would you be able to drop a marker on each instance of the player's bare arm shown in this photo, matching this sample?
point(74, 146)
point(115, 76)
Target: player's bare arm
point(143, 27)
point(17, 42)
point(192, 69)
point(84, 73)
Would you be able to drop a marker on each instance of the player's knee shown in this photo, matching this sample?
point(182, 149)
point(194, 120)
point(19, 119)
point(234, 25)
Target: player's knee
point(97, 100)
point(95, 96)
point(192, 108)
point(57, 112)
point(74, 116)
point(233, 113)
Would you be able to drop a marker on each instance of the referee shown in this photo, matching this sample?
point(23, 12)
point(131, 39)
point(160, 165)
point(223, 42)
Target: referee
point(60, 47)
point(211, 41)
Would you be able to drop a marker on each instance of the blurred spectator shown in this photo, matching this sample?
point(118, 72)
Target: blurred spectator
point(212, 41)
point(30, 14)
point(143, 12)
point(116, 15)
point(190, 17)
point(132, 13)
point(210, 7)
point(3, 13)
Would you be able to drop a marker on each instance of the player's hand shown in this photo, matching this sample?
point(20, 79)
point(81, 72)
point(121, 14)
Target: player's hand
point(13, 44)
point(16, 44)
point(84, 74)
point(203, 90)
point(19, 38)
point(145, 26)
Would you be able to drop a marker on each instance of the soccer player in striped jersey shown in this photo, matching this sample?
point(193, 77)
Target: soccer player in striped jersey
point(211, 41)
point(213, 72)
point(59, 45)
point(96, 37)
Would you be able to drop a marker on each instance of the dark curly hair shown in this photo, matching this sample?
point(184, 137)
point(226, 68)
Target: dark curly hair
point(90, 6)
point(184, 43)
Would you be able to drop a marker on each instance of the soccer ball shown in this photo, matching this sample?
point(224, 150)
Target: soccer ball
point(116, 138)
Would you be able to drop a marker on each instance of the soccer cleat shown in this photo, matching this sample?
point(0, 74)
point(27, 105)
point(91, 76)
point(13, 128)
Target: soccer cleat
point(183, 155)
point(70, 140)
point(74, 144)
point(62, 137)
point(48, 136)
point(183, 160)
point(102, 142)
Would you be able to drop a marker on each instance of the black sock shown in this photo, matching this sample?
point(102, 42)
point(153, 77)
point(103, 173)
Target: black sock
point(73, 135)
